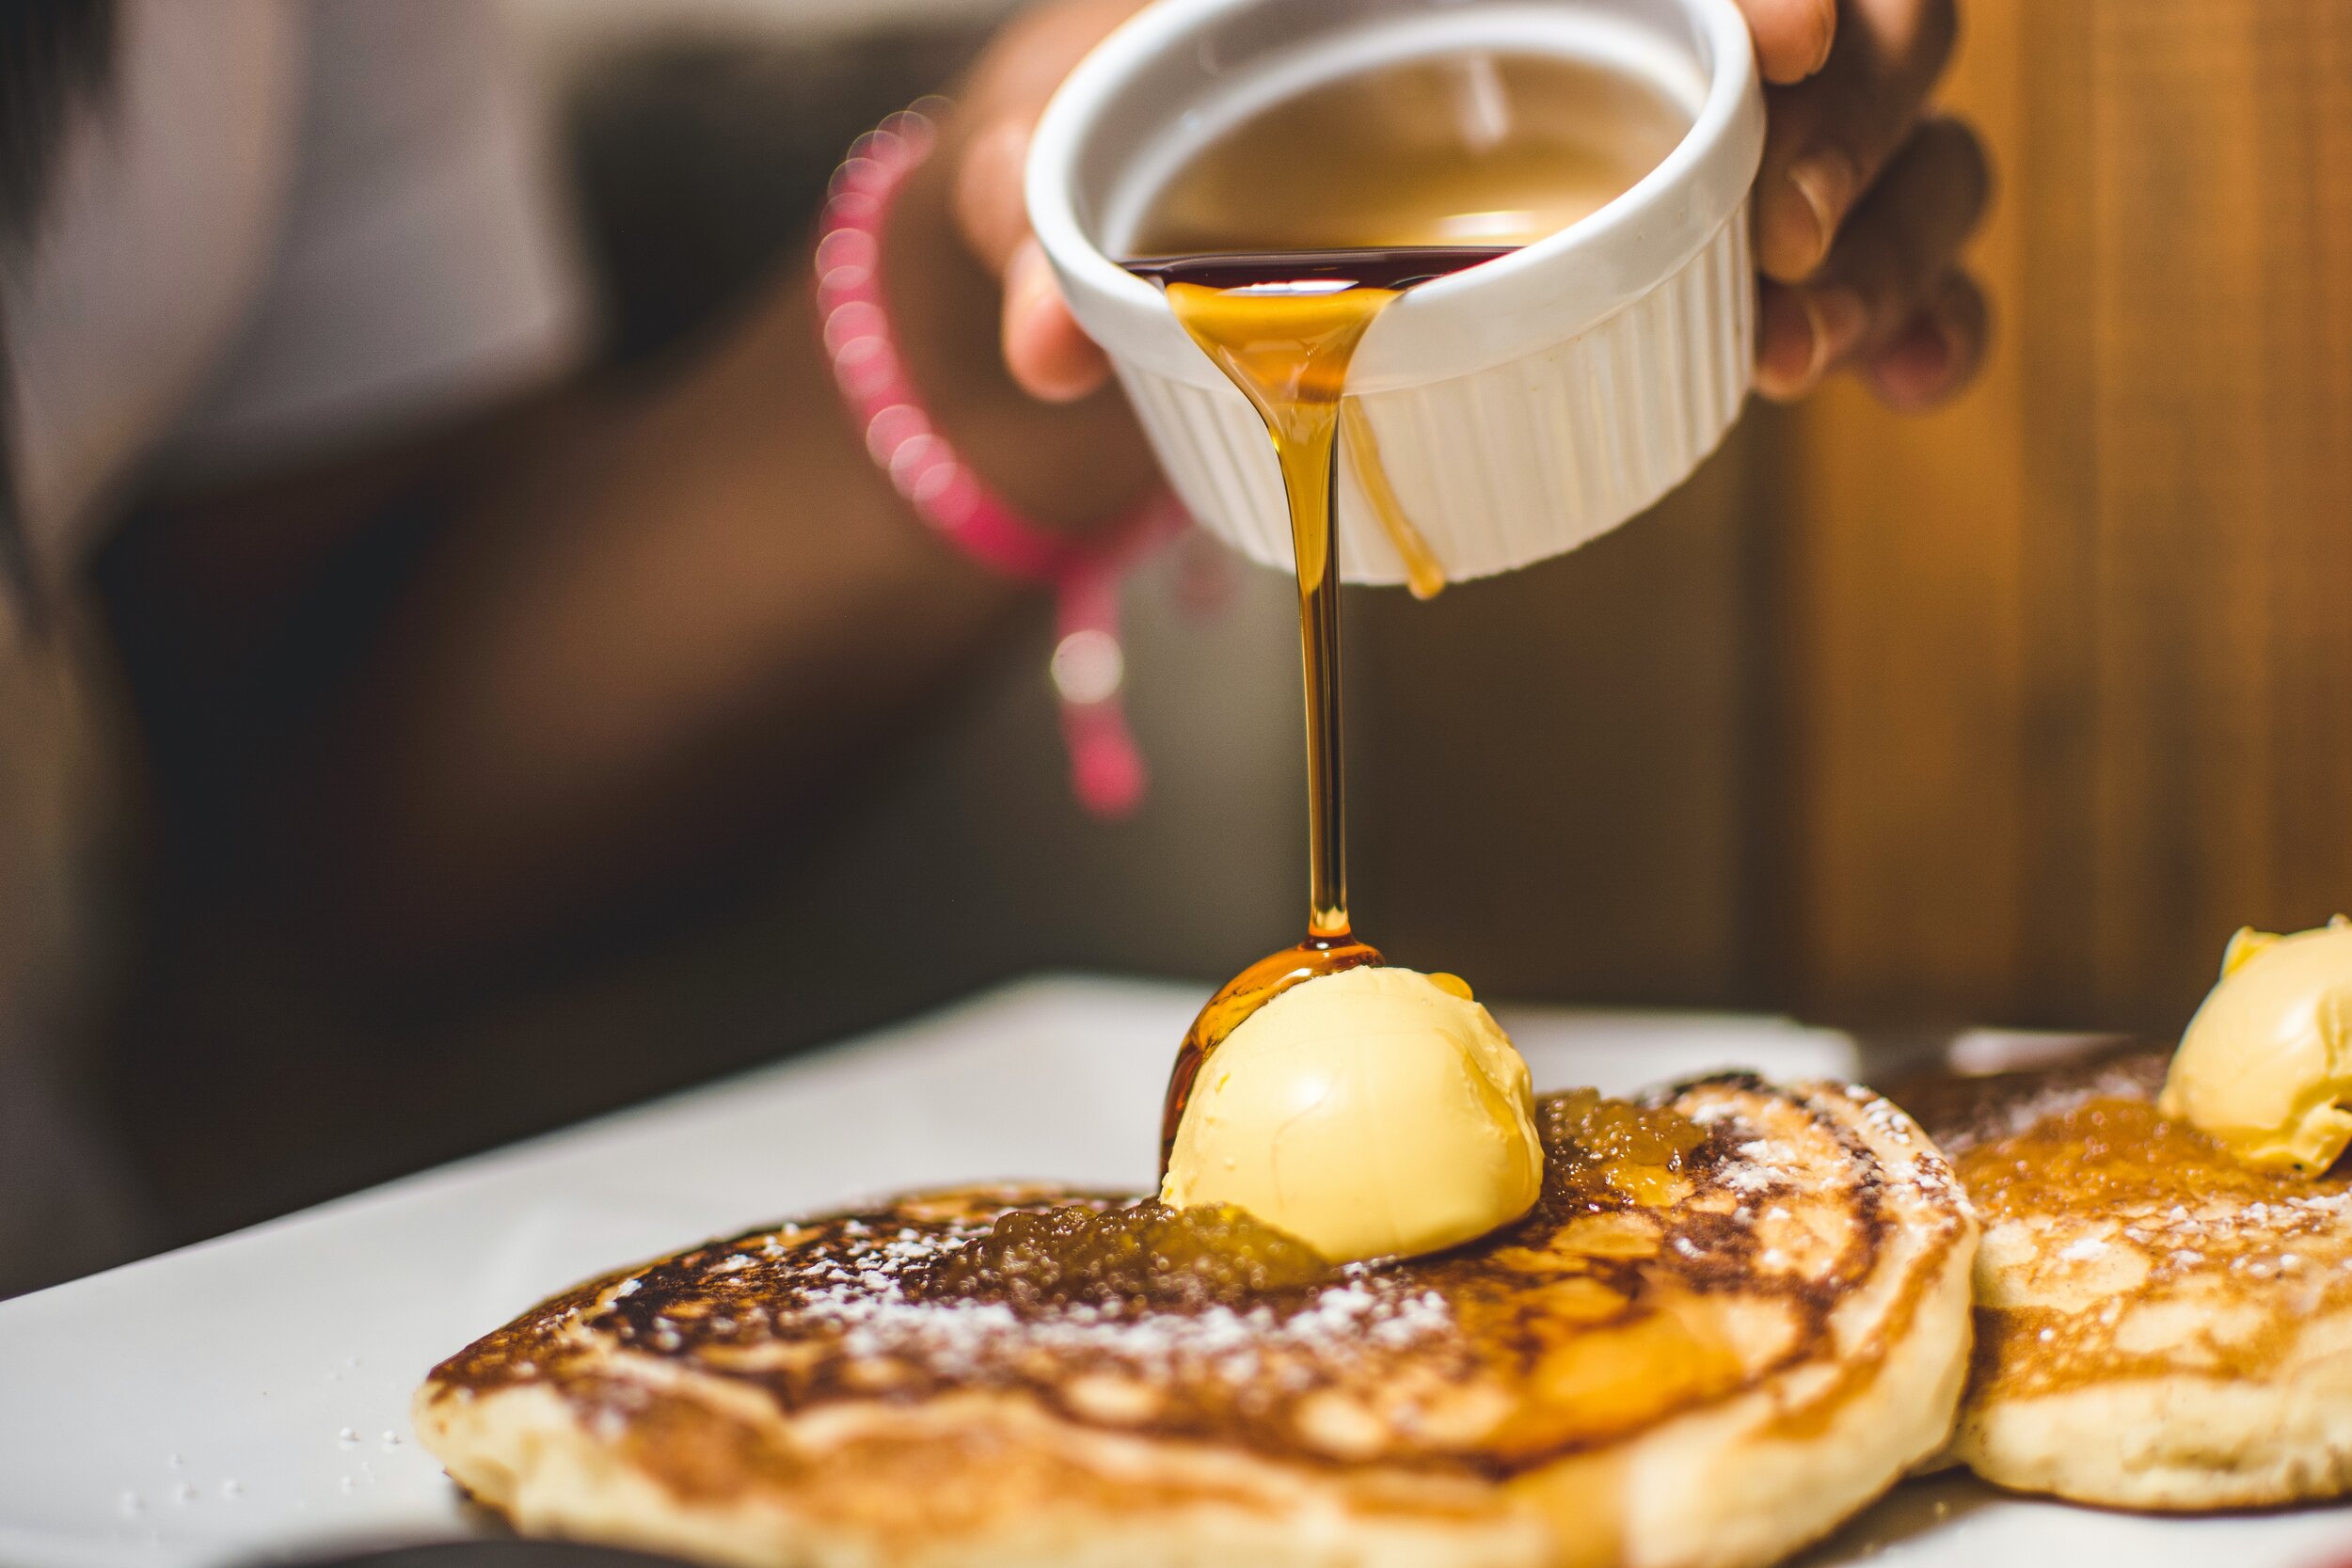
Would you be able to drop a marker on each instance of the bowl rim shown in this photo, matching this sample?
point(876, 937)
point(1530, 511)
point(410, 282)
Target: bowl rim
point(1541, 294)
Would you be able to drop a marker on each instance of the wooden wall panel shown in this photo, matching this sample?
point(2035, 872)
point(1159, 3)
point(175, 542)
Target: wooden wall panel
point(1549, 770)
point(2070, 675)
point(2046, 142)
point(1900, 598)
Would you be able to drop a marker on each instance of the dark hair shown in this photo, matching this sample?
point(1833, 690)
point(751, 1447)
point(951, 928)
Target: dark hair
point(54, 55)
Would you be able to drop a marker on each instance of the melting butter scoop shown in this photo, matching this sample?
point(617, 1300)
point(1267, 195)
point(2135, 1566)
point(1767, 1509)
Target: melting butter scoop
point(1374, 1113)
point(2266, 1065)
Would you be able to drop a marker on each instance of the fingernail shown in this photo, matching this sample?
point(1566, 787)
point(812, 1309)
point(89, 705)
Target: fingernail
point(1823, 180)
point(1037, 331)
point(1829, 34)
point(1785, 337)
point(1839, 318)
point(1912, 370)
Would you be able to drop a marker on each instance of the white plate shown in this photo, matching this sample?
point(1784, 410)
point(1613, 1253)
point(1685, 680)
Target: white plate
point(246, 1400)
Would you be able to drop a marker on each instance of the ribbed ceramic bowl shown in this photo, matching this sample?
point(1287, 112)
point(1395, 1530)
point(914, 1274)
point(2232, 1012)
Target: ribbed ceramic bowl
point(1521, 408)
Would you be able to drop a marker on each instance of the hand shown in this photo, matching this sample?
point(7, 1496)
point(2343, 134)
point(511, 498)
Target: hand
point(1863, 201)
point(1045, 351)
point(1027, 402)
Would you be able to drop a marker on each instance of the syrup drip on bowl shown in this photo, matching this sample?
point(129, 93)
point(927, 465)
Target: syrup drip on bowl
point(1283, 327)
point(1372, 275)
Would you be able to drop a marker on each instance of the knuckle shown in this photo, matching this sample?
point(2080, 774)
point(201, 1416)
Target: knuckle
point(1819, 30)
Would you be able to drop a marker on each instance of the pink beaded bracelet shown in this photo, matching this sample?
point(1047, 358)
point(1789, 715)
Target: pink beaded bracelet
point(1107, 771)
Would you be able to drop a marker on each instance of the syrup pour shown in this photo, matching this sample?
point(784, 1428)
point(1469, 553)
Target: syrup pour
point(1278, 243)
point(1284, 328)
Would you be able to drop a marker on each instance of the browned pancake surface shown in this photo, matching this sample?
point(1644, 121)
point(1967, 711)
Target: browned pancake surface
point(2120, 1245)
point(1669, 1263)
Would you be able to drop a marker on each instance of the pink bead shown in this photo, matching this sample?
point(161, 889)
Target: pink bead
point(1106, 770)
point(952, 506)
point(846, 322)
point(866, 367)
point(891, 428)
point(931, 488)
point(847, 252)
point(917, 456)
point(915, 131)
point(852, 208)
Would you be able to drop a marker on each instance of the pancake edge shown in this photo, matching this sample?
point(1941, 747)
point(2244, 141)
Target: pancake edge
point(1776, 1477)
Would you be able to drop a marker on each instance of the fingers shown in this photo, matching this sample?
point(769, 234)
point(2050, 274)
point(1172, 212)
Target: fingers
point(1792, 37)
point(1890, 295)
point(1799, 335)
point(988, 201)
point(1936, 353)
point(1832, 134)
point(1931, 356)
point(1909, 231)
point(1862, 207)
point(1047, 355)
point(1050, 358)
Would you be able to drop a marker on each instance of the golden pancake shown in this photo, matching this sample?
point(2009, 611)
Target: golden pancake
point(2157, 1325)
point(1732, 1318)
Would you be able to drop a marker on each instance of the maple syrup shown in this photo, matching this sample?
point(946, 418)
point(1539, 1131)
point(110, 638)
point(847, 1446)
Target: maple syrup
point(1636, 1151)
point(1464, 148)
point(1279, 246)
point(1146, 1255)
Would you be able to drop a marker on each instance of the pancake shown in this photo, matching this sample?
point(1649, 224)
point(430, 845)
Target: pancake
point(2157, 1325)
point(1734, 1317)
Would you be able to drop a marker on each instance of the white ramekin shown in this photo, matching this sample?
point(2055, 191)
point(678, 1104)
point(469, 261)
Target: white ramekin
point(1519, 408)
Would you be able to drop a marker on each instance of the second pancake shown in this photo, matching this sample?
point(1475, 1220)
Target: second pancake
point(2157, 1325)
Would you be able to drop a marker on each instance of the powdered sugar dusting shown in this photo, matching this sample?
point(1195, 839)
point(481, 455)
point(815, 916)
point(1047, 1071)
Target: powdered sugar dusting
point(870, 1307)
point(855, 1291)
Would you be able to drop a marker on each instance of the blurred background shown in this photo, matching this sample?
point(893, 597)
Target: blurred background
point(2009, 715)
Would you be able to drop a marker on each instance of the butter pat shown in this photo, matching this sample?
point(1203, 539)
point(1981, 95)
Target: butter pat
point(2266, 1063)
point(1372, 1113)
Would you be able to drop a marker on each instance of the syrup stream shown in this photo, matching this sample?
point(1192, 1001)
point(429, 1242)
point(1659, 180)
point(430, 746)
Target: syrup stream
point(1283, 328)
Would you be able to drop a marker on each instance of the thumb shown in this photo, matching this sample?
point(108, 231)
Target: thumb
point(1048, 354)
